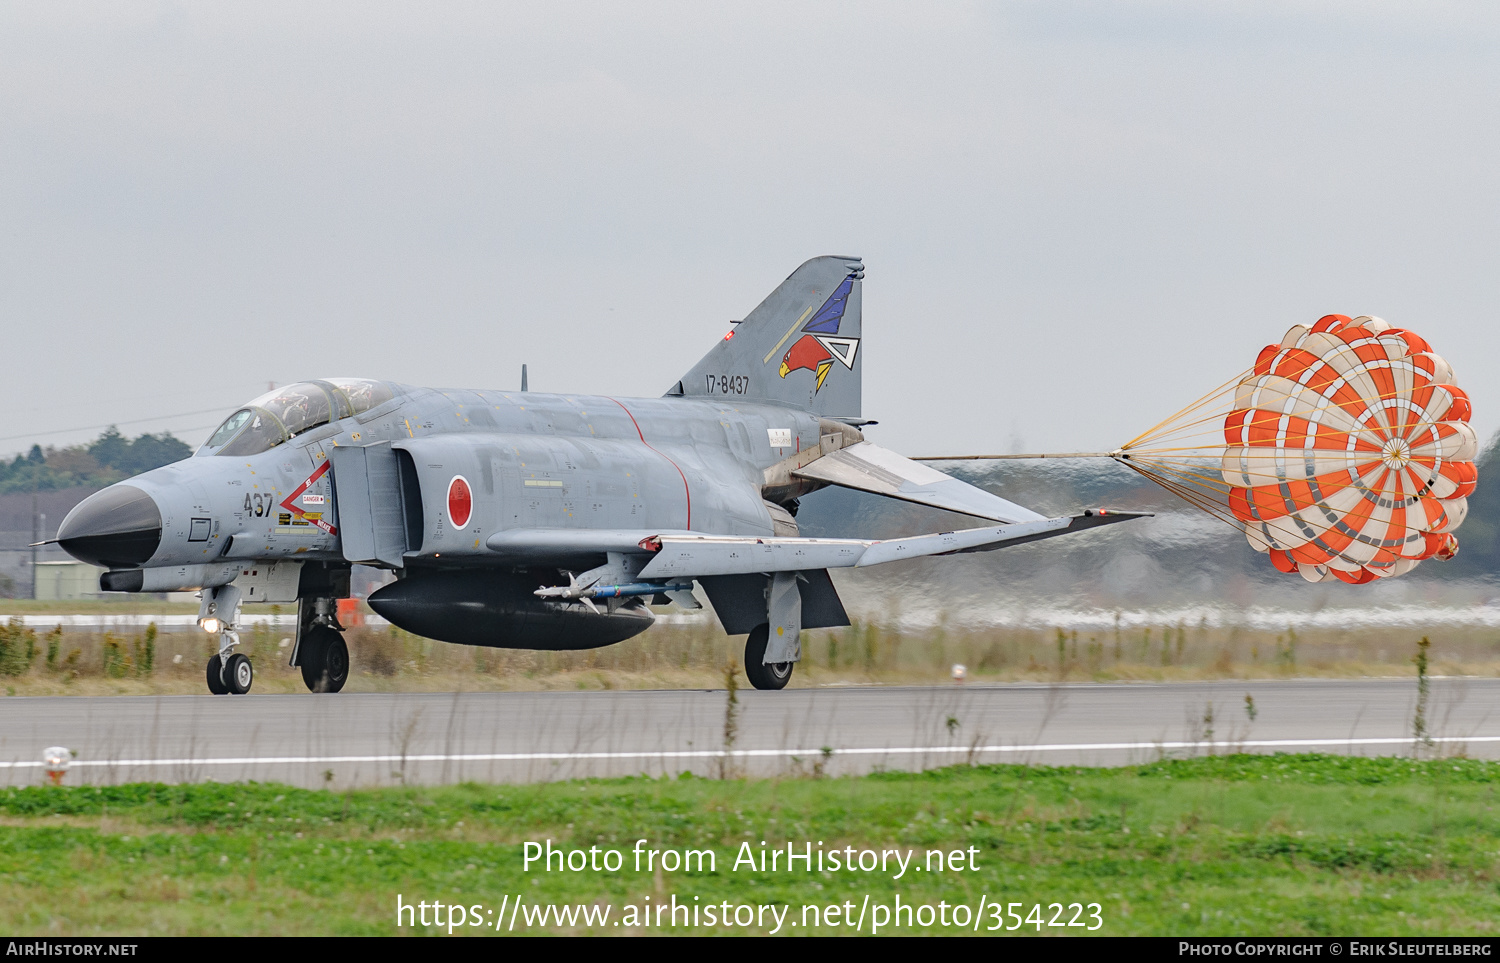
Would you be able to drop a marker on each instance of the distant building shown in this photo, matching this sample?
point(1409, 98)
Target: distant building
point(26, 517)
point(56, 581)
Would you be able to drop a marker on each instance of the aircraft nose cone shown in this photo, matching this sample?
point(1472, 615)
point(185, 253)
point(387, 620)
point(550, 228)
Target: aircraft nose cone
point(119, 527)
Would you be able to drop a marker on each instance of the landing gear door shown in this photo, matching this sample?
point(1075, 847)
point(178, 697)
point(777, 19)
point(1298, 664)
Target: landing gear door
point(367, 486)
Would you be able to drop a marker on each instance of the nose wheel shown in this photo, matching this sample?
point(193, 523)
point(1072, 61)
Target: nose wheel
point(228, 673)
point(216, 676)
point(324, 659)
point(232, 677)
point(238, 674)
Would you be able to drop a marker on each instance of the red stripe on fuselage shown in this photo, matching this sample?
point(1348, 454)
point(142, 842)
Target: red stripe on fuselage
point(685, 491)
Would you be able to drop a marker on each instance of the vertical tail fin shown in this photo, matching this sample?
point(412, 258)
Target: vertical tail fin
point(800, 347)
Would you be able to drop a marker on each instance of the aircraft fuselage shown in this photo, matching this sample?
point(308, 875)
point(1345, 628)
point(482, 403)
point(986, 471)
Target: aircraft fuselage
point(529, 461)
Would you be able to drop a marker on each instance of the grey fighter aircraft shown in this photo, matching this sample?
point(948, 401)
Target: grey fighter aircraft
point(543, 521)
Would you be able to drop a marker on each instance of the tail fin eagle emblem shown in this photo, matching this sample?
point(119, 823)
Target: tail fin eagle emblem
point(818, 349)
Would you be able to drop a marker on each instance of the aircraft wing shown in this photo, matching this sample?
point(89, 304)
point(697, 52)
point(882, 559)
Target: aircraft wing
point(880, 471)
point(693, 556)
point(569, 546)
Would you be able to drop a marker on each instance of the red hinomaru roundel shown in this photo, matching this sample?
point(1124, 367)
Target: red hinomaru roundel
point(460, 501)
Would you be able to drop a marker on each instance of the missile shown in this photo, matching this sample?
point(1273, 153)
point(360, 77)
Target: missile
point(576, 591)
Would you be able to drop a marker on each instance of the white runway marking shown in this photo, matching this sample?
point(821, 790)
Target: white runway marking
point(762, 753)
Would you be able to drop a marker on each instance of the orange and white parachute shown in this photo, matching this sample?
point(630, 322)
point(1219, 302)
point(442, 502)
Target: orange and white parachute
point(1347, 452)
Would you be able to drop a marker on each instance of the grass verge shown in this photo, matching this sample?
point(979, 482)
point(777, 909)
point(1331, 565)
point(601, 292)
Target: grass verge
point(1232, 845)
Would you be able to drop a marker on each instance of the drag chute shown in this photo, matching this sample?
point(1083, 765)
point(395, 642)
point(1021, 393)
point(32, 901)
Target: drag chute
point(1349, 453)
point(1345, 453)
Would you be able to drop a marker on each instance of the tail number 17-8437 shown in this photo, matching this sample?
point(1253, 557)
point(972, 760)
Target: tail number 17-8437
point(726, 384)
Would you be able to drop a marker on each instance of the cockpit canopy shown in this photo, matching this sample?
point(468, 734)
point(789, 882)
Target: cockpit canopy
point(284, 413)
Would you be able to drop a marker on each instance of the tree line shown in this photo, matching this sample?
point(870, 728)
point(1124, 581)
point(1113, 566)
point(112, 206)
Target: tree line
point(107, 459)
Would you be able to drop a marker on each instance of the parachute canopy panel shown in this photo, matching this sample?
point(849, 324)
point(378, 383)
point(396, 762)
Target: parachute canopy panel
point(1348, 452)
point(1345, 453)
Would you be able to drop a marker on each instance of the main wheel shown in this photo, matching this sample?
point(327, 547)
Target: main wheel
point(324, 659)
point(239, 674)
point(216, 677)
point(763, 675)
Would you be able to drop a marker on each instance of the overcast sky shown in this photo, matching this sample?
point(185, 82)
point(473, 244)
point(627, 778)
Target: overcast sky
point(1074, 217)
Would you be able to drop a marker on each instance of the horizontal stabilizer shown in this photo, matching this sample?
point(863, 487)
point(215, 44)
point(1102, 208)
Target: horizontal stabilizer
point(693, 556)
point(880, 471)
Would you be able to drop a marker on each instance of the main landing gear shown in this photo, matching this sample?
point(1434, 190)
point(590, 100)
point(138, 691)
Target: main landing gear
point(775, 646)
point(763, 674)
point(321, 653)
point(324, 659)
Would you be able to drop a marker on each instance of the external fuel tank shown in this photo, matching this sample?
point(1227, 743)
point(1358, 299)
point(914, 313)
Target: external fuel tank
point(499, 610)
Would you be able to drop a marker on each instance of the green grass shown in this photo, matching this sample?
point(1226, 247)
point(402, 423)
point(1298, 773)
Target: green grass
point(1237, 845)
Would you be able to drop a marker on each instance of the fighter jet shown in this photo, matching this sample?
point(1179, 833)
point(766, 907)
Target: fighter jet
point(519, 519)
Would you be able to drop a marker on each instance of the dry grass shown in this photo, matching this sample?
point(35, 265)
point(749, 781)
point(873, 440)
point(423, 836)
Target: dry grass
point(678, 656)
point(121, 604)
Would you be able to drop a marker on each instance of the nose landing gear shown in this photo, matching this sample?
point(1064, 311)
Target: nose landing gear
point(232, 677)
point(239, 674)
point(228, 672)
point(216, 684)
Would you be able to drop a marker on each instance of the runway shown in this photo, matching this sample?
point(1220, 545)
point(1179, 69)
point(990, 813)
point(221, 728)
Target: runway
point(386, 738)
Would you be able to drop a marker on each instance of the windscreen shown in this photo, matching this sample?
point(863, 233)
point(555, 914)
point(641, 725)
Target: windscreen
point(261, 434)
point(229, 428)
